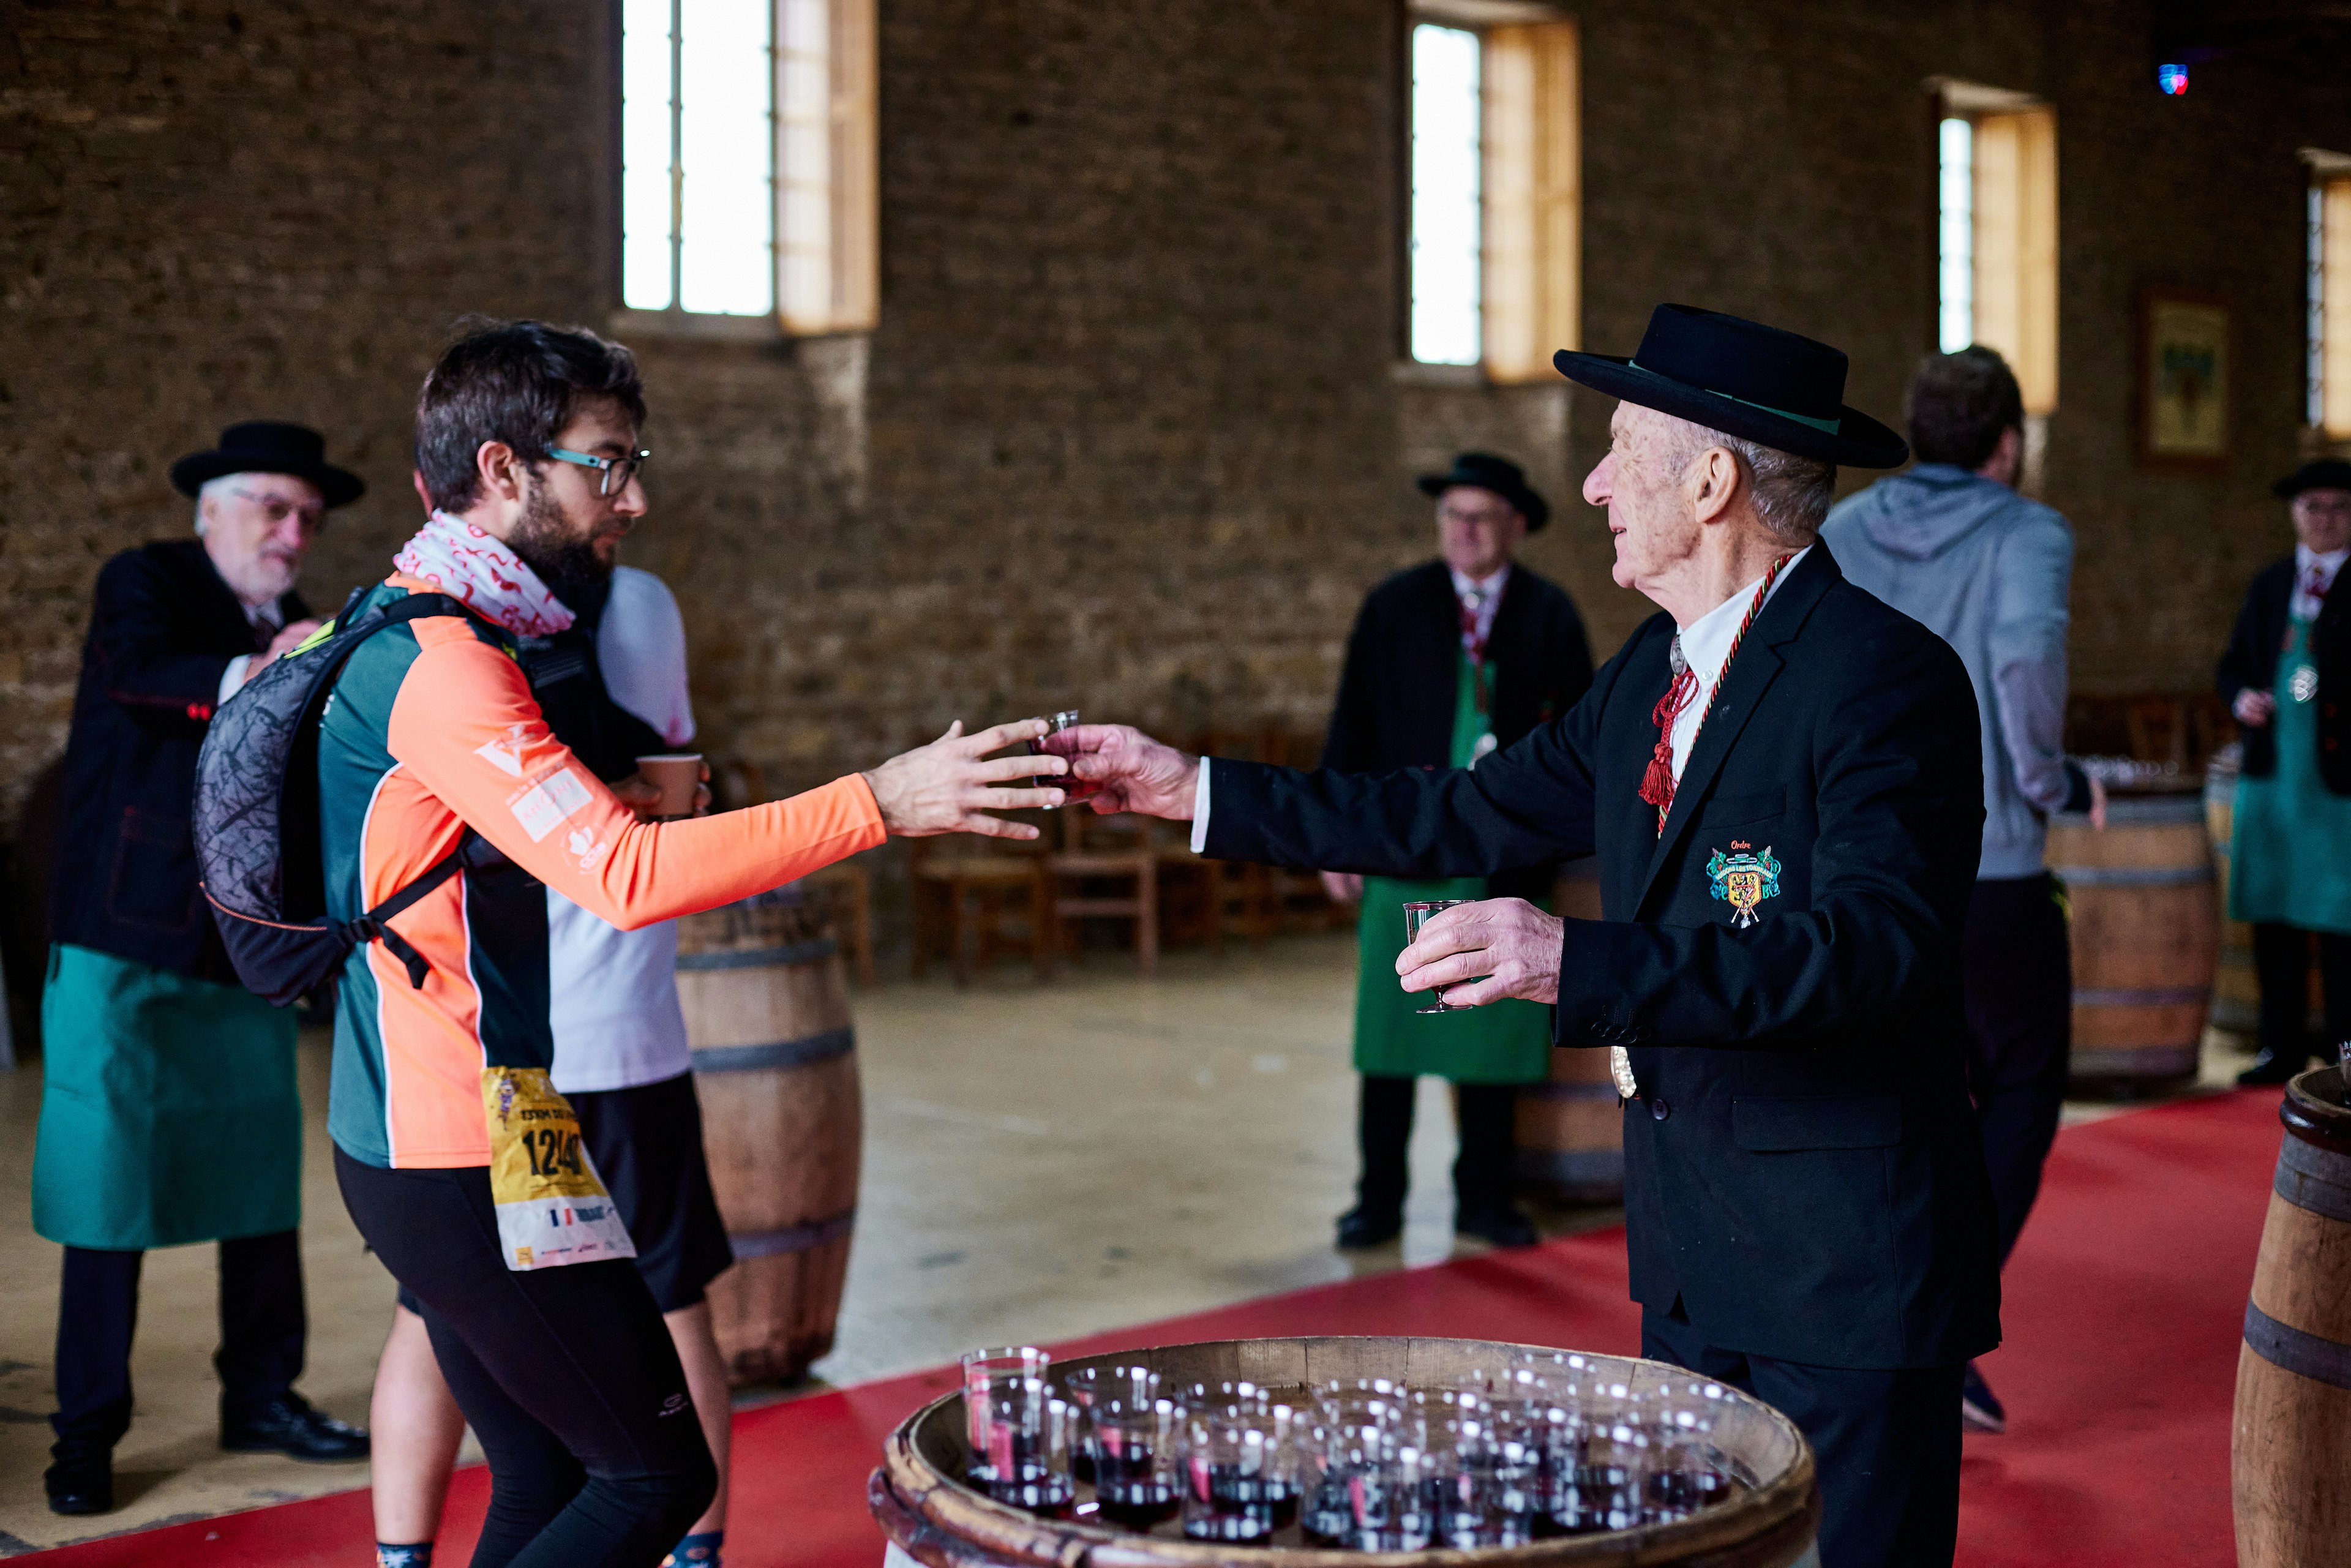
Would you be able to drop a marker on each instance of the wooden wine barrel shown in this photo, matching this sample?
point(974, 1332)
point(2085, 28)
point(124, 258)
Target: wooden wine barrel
point(2146, 933)
point(929, 1515)
point(1571, 1127)
point(2236, 991)
point(775, 1062)
point(2289, 1478)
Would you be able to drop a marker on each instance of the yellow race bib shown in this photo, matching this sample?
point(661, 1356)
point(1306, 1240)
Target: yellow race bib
point(552, 1208)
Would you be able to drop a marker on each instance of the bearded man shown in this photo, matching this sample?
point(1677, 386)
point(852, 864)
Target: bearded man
point(1781, 778)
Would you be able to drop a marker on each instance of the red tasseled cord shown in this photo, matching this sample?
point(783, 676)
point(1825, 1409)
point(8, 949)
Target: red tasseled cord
point(1658, 784)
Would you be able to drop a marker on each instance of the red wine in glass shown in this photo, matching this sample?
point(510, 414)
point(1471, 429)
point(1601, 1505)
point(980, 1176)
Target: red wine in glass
point(1073, 789)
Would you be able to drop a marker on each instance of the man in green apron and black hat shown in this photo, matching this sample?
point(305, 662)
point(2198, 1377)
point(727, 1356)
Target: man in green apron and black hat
point(168, 1112)
point(1447, 662)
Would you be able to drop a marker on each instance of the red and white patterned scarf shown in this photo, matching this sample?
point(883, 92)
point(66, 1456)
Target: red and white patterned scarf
point(473, 568)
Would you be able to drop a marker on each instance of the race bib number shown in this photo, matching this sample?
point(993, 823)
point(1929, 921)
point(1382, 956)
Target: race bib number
point(552, 1208)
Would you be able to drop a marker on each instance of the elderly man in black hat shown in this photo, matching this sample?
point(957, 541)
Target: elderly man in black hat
point(1781, 779)
point(169, 1111)
point(1447, 662)
point(2285, 677)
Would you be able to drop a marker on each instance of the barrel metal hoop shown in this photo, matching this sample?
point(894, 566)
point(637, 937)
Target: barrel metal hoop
point(800, 1053)
point(2289, 1349)
point(792, 1238)
point(2308, 1177)
point(807, 952)
point(2158, 997)
point(2132, 875)
point(2132, 1062)
point(1555, 1090)
point(2170, 809)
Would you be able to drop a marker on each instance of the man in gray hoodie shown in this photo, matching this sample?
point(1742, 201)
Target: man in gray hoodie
point(1951, 544)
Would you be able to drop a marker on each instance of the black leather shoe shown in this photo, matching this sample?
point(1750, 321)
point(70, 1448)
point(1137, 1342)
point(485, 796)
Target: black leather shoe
point(81, 1481)
point(1361, 1227)
point(1501, 1226)
point(2269, 1068)
point(290, 1426)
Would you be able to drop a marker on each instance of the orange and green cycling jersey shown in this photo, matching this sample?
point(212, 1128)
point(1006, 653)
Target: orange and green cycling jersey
point(432, 729)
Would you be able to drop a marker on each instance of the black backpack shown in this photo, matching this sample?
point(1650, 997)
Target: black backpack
point(257, 818)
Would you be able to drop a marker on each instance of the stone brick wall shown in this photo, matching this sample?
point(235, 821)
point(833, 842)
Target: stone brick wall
point(1128, 436)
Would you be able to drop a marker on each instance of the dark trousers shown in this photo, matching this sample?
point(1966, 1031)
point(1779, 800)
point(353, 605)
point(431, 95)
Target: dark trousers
point(2281, 962)
point(568, 1375)
point(263, 1333)
point(2018, 986)
point(1886, 1442)
point(1481, 1170)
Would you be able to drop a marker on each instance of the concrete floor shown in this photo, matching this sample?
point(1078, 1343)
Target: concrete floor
point(1040, 1162)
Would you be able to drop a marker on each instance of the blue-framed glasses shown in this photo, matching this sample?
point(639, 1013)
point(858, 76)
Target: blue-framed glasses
point(617, 471)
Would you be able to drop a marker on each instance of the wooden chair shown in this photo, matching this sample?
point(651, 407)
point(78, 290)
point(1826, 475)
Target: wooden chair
point(847, 887)
point(1192, 897)
point(975, 904)
point(1093, 852)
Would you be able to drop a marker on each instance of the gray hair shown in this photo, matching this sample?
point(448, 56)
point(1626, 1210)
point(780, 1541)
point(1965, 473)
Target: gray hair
point(1791, 494)
point(212, 489)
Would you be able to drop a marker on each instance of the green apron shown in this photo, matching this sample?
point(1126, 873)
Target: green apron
point(2289, 860)
point(169, 1110)
point(1503, 1042)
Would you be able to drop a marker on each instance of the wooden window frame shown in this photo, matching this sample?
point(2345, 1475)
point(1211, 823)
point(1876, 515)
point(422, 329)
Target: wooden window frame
point(2327, 298)
point(823, 176)
point(2014, 232)
point(1531, 189)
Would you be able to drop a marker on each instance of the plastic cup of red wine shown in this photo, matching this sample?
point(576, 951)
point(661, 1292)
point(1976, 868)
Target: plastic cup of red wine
point(1073, 789)
point(1134, 1460)
point(1227, 1460)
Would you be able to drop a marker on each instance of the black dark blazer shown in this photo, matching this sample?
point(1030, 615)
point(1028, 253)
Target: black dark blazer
point(161, 630)
point(1399, 689)
point(2251, 661)
point(1803, 1172)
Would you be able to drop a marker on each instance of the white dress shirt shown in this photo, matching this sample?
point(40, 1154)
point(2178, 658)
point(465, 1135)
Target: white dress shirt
point(1490, 589)
point(2311, 570)
point(271, 617)
point(1705, 644)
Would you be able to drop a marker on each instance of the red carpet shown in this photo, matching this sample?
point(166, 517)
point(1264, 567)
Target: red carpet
point(2125, 1300)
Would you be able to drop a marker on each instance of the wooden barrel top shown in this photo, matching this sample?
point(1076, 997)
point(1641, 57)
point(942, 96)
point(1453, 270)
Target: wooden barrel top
point(917, 1490)
point(2314, 1110)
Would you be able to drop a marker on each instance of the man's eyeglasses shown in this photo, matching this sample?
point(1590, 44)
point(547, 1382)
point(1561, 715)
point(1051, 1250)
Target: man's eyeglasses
point(278, 508)
point(617, 471)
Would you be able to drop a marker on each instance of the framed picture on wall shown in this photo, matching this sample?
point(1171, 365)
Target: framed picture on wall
point(2184, 374)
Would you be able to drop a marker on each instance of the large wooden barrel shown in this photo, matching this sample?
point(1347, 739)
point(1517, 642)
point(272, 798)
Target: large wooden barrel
point(930, 1515)
point(2236, 991)
point(1571, 1127)
point(2290, 1456)
point(766, 1010)
point(2146, 933)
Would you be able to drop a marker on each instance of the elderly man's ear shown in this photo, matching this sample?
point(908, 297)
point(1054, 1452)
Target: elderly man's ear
point(1713, 481)
point(416, 477)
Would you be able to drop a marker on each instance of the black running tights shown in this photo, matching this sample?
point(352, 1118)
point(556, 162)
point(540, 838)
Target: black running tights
point(568, 1375)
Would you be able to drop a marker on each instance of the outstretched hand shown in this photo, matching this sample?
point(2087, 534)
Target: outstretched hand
point(951, 785)
point(1136, 772)
point(1509, 941)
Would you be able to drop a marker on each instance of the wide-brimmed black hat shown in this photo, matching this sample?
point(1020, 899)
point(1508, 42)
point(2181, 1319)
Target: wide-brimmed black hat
point(1500, 475)
point(265, 447)
point(2319, 473)
point(1744, 379)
